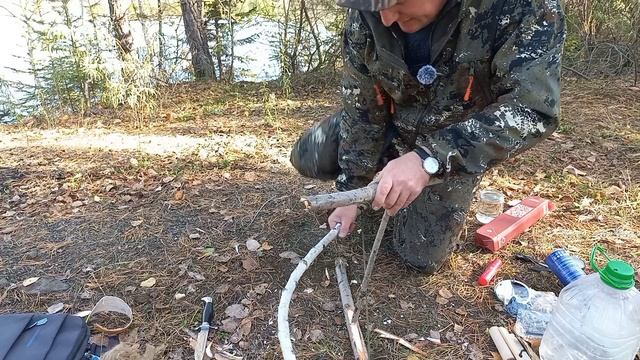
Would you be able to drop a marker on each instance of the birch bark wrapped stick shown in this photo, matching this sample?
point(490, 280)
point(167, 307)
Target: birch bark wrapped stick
point(339, 199)
point(284, 334)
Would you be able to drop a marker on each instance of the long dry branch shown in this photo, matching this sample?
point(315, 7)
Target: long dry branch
point(355, 332)
point(362, 293)
point(284, 334)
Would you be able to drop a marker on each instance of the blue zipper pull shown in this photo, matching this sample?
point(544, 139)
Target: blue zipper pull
point(38, 323)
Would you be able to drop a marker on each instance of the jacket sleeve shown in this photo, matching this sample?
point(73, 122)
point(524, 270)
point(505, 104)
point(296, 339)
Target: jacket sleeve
point(526, 78)
point(365, 112)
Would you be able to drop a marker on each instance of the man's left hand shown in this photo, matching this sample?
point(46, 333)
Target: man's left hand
point(401, 182)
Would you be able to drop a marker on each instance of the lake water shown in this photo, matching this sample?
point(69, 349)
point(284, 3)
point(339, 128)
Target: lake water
point(255, 61)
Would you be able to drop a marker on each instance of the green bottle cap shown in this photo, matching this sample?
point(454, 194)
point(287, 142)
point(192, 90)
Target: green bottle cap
point(617, 273)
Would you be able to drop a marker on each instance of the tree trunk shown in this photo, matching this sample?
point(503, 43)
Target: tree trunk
point(201, 59)
point(219, 46)
point(160, 39)
point(121, 31)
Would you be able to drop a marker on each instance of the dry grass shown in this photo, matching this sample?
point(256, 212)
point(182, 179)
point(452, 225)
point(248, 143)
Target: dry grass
point(72, 220)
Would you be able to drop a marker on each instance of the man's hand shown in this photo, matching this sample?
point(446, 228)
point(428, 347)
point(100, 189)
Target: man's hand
point(346, 216)
point(401, 182)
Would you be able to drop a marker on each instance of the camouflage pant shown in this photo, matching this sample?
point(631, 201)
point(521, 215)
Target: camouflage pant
point(425, 233)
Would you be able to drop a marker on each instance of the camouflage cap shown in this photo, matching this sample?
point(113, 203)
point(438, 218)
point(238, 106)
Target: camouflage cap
point(367, 5)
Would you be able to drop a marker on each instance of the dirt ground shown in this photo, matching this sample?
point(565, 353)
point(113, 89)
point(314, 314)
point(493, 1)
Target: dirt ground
point(103, 207)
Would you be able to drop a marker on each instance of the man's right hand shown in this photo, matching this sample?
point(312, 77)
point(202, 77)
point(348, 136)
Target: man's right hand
point(346, 216)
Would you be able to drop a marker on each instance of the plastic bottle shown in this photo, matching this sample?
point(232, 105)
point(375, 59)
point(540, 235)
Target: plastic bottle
point(596, 316)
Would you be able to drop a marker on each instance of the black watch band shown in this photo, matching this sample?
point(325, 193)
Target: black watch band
point(421, 152)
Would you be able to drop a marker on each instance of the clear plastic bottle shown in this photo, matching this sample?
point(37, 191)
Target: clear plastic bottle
point(596, 316)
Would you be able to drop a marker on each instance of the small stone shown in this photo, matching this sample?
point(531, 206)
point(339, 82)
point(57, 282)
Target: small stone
point(47, 286)
point(130, 288)
point(179, 296)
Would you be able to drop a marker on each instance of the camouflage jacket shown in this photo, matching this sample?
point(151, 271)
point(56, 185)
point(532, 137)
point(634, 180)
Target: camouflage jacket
point(496, 93)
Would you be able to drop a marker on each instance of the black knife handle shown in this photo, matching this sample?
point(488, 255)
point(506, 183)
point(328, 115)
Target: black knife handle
point(207, 313)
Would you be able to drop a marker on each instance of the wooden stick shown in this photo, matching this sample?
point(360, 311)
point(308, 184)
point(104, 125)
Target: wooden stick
point(501, 344)
point(354, 330)
point(362, 293)
point(339, 199)
point(284, 334)
point(401, 341)
point(514, 345)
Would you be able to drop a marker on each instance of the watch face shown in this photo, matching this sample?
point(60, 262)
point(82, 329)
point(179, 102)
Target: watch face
point(431, 165)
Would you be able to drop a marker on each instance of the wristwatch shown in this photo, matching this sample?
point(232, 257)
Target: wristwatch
point(430, 164)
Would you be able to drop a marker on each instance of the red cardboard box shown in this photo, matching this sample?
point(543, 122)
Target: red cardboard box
point(513, 222)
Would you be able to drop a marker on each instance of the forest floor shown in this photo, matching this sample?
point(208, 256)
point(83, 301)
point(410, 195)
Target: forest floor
point(100, 206)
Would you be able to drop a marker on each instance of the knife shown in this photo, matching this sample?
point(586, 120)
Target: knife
point(207, 317)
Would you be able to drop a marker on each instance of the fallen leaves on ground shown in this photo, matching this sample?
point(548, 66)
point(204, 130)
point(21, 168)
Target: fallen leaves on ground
point(237, 311)
point(30, 281)
point(148, 283)
point(253, 245)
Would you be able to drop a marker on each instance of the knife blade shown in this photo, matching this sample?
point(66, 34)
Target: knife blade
point(207, 317)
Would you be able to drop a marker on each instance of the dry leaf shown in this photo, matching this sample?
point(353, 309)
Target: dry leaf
point(8, 214)
point(634, 88)
point(434, 337)
point(457, 328)
point(76, 204)
point(148, 283)
point(168, 179)
point(266, 246)
point(250, 176)
point(230, 325)
point(289, 255)
point(194, 236)
point(572, 170)
point(179, 195)
point(245, 327)
point(130, 288)
point(445, 293)
point(329, 306)
point(461, 311)
point(261, 289)
point(440, 300)
point(195, 275)
point(250, 264)
point(136, 223)
point(253, 245)
point(30, 281)
point(222, 289)
point(222, 258)
point(8, 230)
point(405, 305)
point(315, 335)
point(55, 308)
point(237, 311)
point(133, 161)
